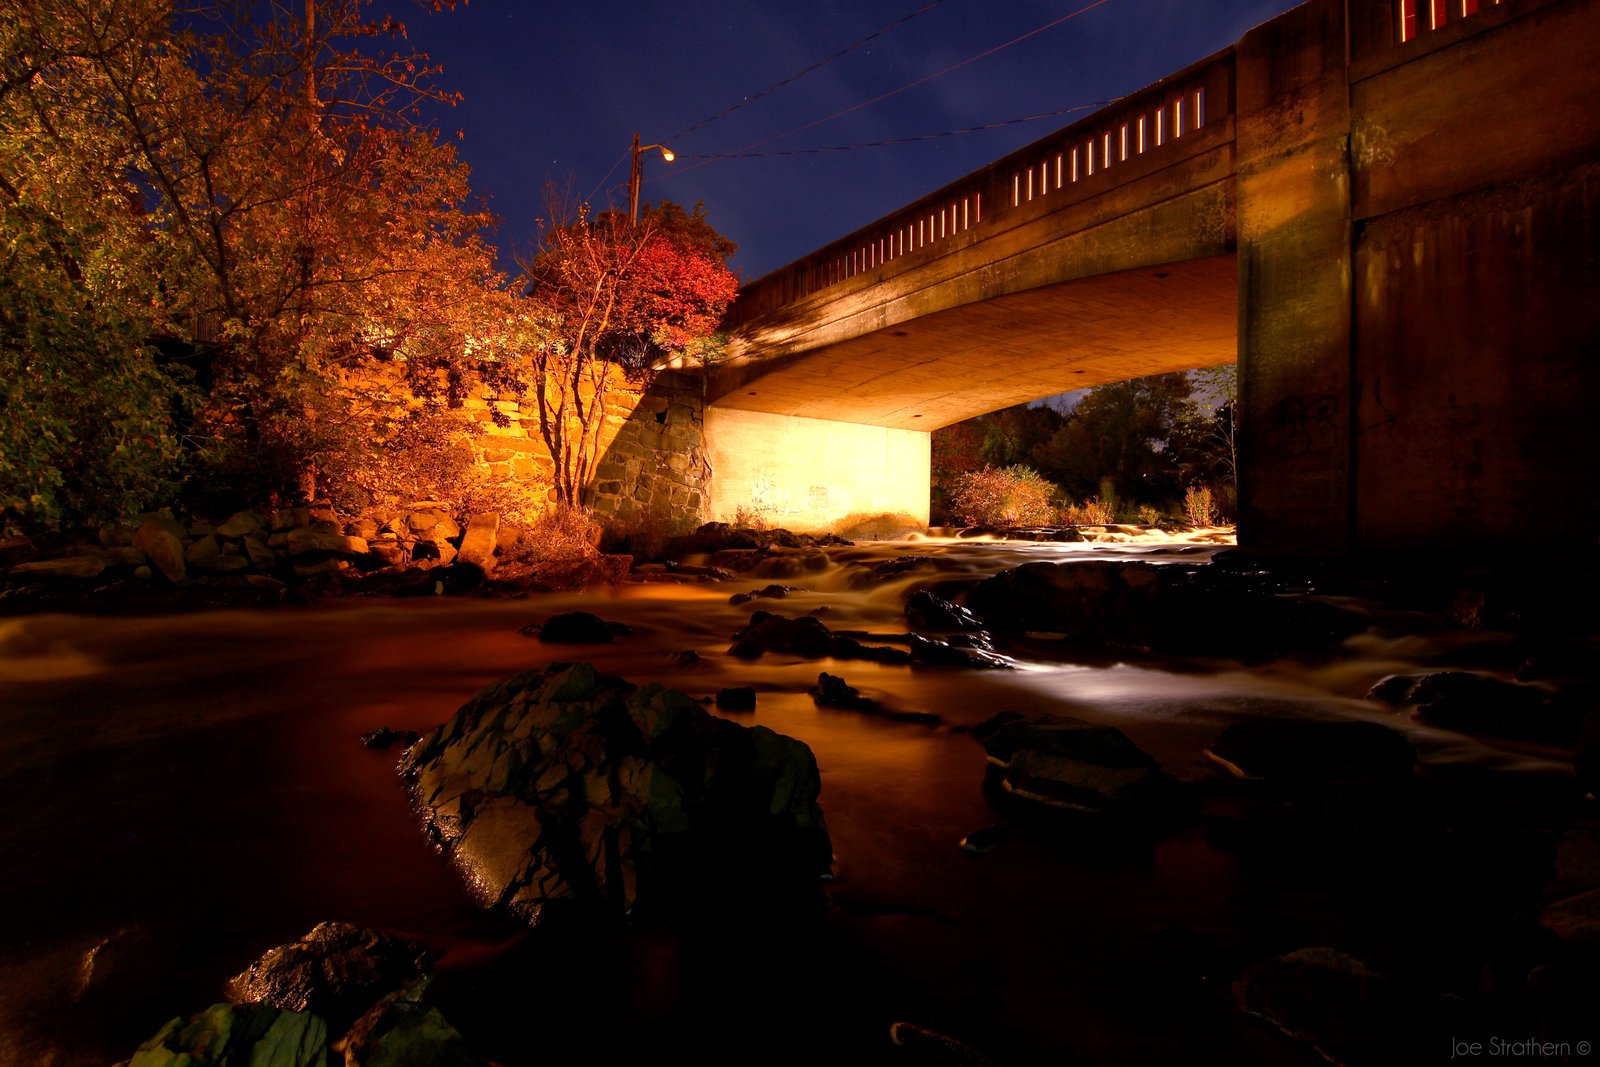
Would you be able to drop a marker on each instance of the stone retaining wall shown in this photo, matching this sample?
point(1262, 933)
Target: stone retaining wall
point(652, 465)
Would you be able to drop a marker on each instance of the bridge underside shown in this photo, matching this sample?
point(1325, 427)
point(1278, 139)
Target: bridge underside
point(951, 365)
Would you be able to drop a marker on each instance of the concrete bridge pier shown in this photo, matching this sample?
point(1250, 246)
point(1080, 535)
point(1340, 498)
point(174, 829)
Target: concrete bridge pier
point(808, 474)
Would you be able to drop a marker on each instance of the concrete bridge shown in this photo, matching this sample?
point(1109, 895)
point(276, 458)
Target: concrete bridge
point(1384, 210)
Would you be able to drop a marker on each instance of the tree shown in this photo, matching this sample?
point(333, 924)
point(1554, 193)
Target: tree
point(303, 227)
point(88, 407)
point(1124, 433)
point(605, 296)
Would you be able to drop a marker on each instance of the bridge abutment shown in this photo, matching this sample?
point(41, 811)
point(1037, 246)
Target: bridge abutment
point(808, 474)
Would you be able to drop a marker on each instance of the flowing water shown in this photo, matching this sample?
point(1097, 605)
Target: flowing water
point(182, 792)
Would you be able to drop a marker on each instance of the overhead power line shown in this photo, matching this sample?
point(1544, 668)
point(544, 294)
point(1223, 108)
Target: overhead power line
point(791, 79)
point(905, 140)
point(896, 92)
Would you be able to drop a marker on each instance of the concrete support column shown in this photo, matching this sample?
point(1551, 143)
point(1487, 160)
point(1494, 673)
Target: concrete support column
point(807, 474)
point(1295, 268)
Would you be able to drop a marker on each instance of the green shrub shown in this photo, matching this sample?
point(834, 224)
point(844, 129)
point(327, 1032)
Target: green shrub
point(1003, 496)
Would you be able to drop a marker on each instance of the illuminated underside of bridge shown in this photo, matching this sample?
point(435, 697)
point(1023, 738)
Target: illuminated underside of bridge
point(954, 364)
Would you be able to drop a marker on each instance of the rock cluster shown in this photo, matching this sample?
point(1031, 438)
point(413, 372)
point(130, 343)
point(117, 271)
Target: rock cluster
point(1078, 766)
point(1169, 608)
point(269, 549)
point(341, 993)
point(1481, 704)
point(567, 785)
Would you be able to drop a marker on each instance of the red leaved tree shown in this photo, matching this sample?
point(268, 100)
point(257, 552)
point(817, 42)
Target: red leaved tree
point(606, 295)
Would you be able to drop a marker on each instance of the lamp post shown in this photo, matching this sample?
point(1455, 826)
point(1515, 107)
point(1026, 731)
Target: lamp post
point(636, 175)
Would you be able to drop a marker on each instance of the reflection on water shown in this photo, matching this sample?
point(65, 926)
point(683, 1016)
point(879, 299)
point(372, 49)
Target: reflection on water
point(188, 791)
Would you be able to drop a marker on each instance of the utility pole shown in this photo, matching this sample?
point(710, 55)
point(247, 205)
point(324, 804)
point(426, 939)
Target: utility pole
point(636, 175)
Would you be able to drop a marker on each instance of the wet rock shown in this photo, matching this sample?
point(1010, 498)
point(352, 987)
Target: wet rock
point(210, 556)
point(737, 698)
point(338, 971)
point(1480, 704)
point(440, 553)
point(391, 553)
point(576, 628)
point(807, 637)
point(711, 537)
point(386, 736)
point(162, 548)
point(928, 652)
point(687, 657)
point(888, 570)
point(251, 1035)
point(62, 567)
point(1332, 1002)
point(931, 1047)
point(933, 614)
point(831, 691)
point(987, 839)
point(459, 578)
point(478, 543)
point(1574, 919)
point(770, 592)
point(1168, 608)
point(433, 525)
point(766, 632)
point(261, 557)
point(1077, 766)
point(568, 785)
point(241, 524)
point(1586, 760)
point(287, 519)
point(14, 550)
point(403, 1031)
point(363, 527)
point(322, 566)
point(1293, 751)
point(307, 540)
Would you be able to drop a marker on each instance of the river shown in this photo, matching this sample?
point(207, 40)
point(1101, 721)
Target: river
point(182, 792)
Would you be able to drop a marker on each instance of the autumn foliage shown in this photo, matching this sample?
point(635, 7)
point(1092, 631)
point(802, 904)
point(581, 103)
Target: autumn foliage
point(238, 198)
point(1003, 496)
point(606, 295)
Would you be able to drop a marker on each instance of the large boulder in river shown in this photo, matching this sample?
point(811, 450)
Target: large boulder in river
point(567, 785)
point(1481, 704)
point(807, 637)
point(1166, 608)
point(1297, 751)
point(338, 970)
point(1077, 766)
point(1336, 1004)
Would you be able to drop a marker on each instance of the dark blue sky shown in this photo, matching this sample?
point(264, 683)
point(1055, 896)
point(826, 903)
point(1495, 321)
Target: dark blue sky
point(555, 91)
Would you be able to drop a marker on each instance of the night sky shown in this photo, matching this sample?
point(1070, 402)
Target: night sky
point(554, 93)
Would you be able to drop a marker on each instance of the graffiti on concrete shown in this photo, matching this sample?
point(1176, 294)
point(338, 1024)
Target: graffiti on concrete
point(769, 495)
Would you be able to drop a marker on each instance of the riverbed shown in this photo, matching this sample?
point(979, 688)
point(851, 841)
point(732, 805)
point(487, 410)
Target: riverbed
point(183, 792)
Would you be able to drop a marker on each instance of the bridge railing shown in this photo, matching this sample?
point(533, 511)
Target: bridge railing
point(1416, 17)
point(1127, 139)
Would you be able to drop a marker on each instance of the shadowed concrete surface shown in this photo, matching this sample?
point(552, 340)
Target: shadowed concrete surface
point(1394, 238)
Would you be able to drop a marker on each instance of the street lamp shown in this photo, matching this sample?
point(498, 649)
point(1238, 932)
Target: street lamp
point(636, 175)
